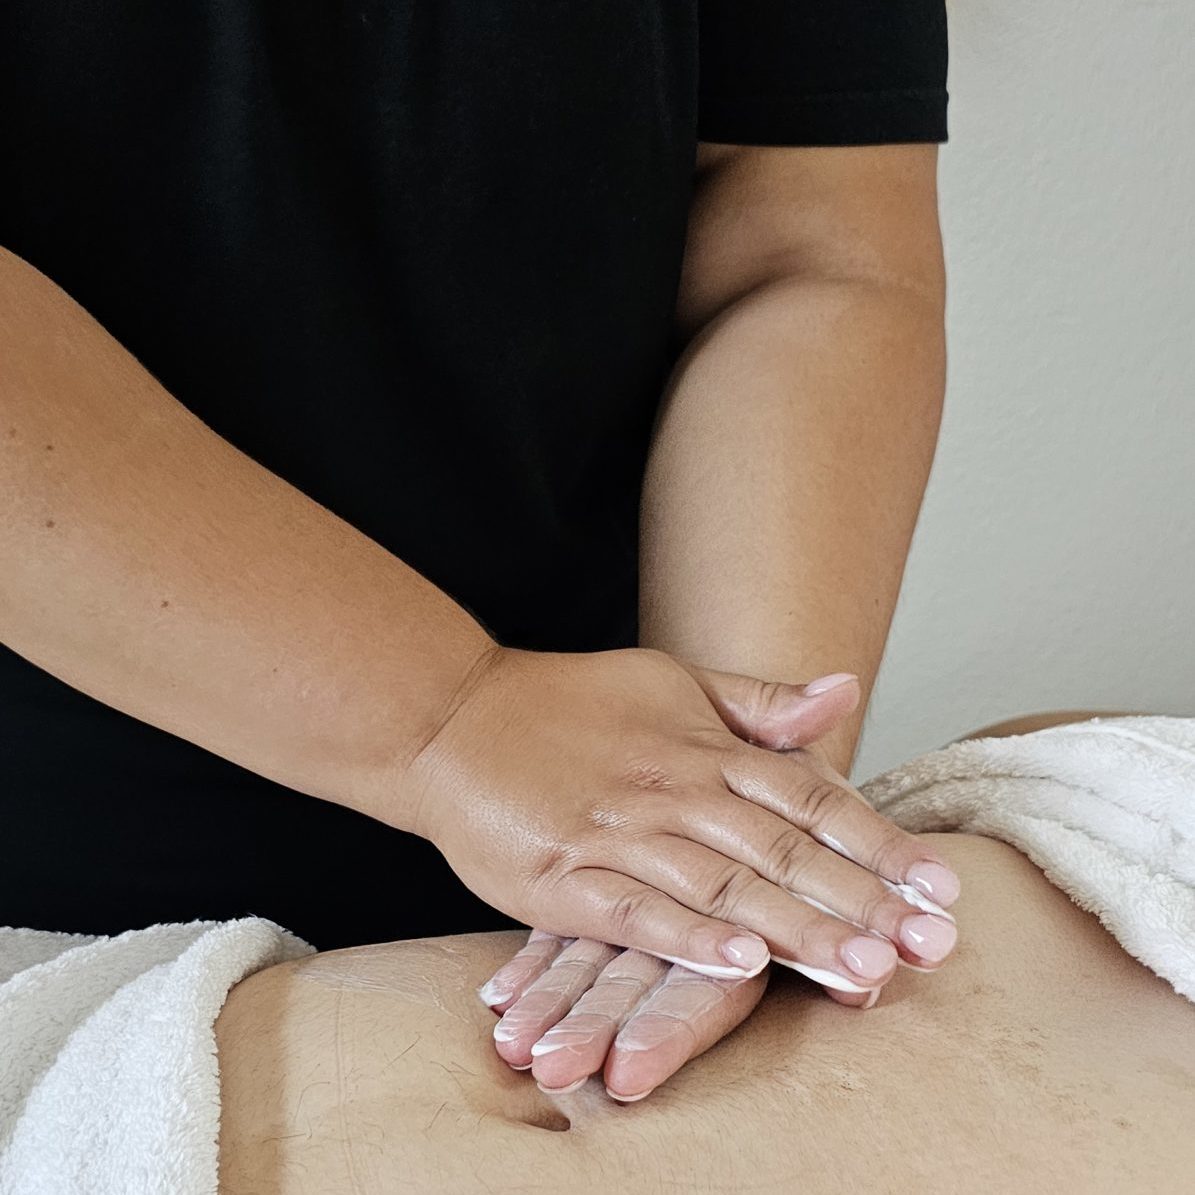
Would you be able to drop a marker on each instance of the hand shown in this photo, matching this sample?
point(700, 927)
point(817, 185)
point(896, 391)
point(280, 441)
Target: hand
point(573, 1008)
point(605, 795)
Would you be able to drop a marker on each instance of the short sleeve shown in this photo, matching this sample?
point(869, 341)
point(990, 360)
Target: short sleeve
point(822, 72)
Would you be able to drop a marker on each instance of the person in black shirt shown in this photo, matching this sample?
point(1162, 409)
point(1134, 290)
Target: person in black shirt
point(481, 418)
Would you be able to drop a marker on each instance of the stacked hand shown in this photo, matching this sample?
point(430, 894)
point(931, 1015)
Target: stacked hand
point(628, 799)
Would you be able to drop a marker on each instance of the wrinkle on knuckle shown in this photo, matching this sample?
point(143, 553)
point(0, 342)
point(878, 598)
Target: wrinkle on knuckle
point(821, 800)
point(626, 911)
point(725, 889)
point(880, 908)
point(790, 855)
point(889, 855)
point(551, 863)
point(606, 818)
point(646, 774)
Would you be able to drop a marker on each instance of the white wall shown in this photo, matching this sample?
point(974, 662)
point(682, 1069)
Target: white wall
point(1054, 564)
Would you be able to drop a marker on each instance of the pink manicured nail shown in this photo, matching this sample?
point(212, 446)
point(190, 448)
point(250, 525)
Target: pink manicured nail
point(823, 684)
point(939, 883)
point(745, 952)
point(629, 1099)
point(563, 1090)
point(928, 936)
point(869, 957)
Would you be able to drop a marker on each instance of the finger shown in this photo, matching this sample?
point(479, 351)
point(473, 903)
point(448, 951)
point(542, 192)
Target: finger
point(774, 714)
point(621, 910)
point(861, 1000)
point(841, 820)
point(798, 932)
point(513, 978)
point(908, 958)
point(576, 1046)
point(810, 871)
point(683, 1017)
point(549, 998)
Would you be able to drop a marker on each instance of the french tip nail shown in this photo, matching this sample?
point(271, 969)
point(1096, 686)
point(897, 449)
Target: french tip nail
point(823, 684)
point(563, 1090)
point(629, 1099)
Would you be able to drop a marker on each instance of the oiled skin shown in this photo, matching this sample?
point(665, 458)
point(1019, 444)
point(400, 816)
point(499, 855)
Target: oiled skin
point(1042, 1057)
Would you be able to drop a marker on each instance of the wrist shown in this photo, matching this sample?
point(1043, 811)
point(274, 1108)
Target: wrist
point(410, 804)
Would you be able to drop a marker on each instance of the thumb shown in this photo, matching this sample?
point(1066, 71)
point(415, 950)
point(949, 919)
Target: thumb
point(777, 715)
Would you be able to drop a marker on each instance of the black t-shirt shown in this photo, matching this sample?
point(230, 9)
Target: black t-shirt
point(419, 258)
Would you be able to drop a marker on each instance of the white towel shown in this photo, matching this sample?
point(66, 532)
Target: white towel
point(108, 1076)
point(1106, 808)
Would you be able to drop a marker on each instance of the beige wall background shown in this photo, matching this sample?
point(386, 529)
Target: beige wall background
point(1054, 564)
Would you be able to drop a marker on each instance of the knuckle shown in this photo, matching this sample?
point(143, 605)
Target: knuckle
point(891, 851)
point(797, 942)
point(647, 775)
point(820, 800)
point(881, 910)
point(606, 818)
point(627, 911)
point(725, 888)
point(790, 855)
point(550, 864)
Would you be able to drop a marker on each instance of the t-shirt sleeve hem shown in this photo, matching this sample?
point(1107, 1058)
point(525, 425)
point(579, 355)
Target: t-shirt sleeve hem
point(840, 118)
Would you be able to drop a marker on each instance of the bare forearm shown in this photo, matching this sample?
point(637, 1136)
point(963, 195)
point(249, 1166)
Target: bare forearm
point(785, 479)
point(149, 563)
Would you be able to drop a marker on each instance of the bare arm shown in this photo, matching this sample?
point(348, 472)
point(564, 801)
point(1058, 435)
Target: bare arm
point(793, 448)
point(149, 563)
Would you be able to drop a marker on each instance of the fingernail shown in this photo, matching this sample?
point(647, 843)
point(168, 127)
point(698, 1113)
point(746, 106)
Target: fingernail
point(916, 898)
point(871, 1000)
point(937, 882)
point(492, 994)
point(519, 1068)
point(928, 936)
point(563, 1090)
point(747, 953)
point(823, 684)
point(504, 1032)
point(869, 957)
point(629, 1099)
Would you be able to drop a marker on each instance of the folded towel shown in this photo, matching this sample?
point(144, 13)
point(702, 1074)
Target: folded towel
point(108, 1075)
point(1106, 808)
